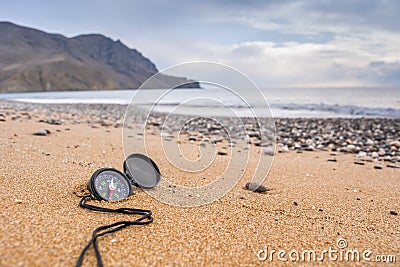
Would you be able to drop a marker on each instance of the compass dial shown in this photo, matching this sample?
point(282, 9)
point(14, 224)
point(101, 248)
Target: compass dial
point(110, 184)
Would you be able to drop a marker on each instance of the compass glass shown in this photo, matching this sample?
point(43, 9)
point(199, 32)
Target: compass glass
point(111, 185)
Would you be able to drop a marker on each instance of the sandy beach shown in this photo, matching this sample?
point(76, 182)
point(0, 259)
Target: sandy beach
point(315, 199)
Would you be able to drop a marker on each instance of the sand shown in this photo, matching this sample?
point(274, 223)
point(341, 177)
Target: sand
point(311, 204)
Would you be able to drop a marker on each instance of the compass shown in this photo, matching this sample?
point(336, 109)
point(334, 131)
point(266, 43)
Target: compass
point(110, 185)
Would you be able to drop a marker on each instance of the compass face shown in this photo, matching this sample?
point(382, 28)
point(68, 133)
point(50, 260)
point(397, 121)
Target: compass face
point(111, 185)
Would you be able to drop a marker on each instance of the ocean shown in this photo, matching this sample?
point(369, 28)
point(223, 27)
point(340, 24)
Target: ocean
point(283, 102)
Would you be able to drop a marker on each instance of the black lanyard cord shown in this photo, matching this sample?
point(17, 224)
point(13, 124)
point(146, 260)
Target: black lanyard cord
point(102, 230)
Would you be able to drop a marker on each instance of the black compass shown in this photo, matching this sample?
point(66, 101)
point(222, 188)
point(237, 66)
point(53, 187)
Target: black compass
point(110, 184)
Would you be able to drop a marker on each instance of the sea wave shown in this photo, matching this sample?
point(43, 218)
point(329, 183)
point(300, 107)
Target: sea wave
point(341, 109)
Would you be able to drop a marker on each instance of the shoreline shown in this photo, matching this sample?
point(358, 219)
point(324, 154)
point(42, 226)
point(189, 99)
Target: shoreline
point(376, 139)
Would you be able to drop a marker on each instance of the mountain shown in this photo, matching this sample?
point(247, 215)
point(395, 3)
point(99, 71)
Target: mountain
point(33, 60)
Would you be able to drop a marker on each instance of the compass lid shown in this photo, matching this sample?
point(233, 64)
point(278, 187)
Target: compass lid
point(142, 171)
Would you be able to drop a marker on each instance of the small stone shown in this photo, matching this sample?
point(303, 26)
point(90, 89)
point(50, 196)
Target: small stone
point(378, 167)
point(18, 201)
point(395, 143)
point(359, 163)
point(42, 132)
point(222, 153)
point(295, 203)
point(393, 212)
point(362, 154)
point(392, 166)
point(369, 142)
point(309, 148)
point(259, 188)
point(269, 151)
point(52, 121)
point(283, 149)
point(352, 148)
point(332, 160)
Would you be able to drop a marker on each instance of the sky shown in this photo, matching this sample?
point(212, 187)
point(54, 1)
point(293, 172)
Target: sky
point(315, 43)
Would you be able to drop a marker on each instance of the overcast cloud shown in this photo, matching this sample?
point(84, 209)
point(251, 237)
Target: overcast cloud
point(280, 43)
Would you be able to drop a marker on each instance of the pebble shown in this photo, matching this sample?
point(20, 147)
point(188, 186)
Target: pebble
point(381, 152)
point(393, 166)
point(332, 160)
point(283, 149)
point(362, 154)
point(259, 188)
point(351, 149)
point(359, 163)
point(42, 132)
point(269, 151)
point(392, 212)
point(192, 138)
point(222, 153)
point(395, 143)
point(309, 148)
point(52, 121)
point(378, 167)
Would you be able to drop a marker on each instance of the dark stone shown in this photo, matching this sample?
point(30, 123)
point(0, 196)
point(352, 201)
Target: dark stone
point(192, 138)
point(52, 121)
point(259, 188)
point(392, 212)
point(42, 132)
point(392, 166)
point(359, 163)
point(378, 167)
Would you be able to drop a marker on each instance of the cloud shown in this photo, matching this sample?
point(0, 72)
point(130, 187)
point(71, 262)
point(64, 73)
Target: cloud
point(385, 72)
point(275, 42)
